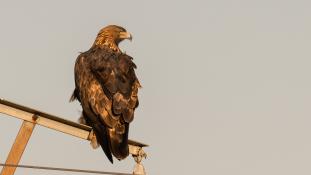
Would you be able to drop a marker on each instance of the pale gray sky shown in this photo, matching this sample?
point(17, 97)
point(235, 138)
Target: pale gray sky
point(226, 84)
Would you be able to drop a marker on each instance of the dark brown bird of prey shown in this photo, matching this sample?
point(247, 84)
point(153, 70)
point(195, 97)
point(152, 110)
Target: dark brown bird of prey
point(106, 86)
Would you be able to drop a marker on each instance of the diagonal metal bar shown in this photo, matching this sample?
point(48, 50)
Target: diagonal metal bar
point(18, 147)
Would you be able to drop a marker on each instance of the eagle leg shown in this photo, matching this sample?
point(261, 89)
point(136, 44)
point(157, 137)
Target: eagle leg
point(93, 140)
point(92, 137)
point(82, 120)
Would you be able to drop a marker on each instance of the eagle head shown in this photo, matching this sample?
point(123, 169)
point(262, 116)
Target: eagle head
point(110, 36)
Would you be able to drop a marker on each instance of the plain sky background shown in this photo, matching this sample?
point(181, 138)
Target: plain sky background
point(226, 84)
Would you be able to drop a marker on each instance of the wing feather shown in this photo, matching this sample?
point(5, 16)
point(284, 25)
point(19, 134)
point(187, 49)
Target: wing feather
point(115, 73)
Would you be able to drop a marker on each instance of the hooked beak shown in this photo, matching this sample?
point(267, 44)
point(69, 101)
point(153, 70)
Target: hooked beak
point(125, 35)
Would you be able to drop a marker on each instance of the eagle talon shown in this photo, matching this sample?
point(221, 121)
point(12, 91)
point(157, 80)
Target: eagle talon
point(93, 139)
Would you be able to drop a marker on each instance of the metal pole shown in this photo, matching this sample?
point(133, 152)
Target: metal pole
point(18, 147)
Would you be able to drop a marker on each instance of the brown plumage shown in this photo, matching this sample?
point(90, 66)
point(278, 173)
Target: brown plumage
point(106, 86)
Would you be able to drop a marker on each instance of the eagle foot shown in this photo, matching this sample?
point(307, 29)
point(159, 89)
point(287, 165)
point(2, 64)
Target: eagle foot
point(93, 140)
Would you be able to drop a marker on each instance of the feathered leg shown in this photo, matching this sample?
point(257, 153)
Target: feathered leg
point(94, 143)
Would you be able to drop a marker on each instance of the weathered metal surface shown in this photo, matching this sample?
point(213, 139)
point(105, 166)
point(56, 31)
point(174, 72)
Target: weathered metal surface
point(43, 114)
point(56, 123)
point(32, 117)
point(44, 119)
point(18, 147)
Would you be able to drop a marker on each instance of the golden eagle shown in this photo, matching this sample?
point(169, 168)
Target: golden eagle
point(106, 86)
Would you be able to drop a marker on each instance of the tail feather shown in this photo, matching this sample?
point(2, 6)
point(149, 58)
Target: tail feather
point(101, 136)
point(114, 141)
point(119, 142)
